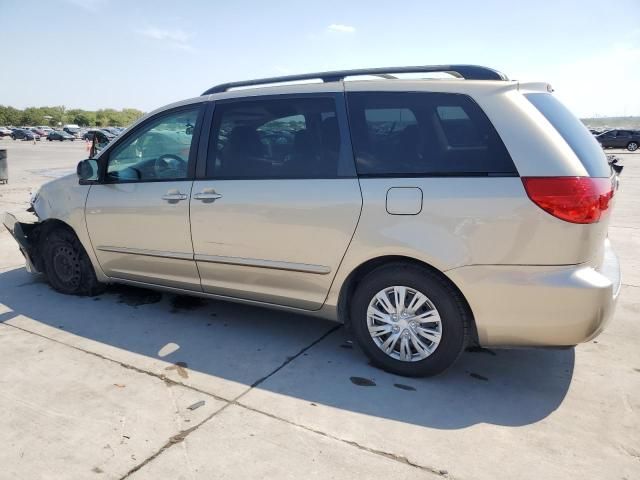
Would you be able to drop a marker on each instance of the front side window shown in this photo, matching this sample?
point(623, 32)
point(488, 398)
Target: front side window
point(424, 134)
point(275, 138)
point(160, 151)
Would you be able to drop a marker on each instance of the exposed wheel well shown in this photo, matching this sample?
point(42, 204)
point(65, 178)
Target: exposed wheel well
point(351, 283)
point(37, 232)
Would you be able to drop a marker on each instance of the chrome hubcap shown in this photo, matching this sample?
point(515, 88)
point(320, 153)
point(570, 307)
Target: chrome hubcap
point(633, 147)
point(404, 323)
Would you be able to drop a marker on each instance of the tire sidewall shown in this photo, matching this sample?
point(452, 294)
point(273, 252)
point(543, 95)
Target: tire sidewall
point(632, 149)
point(439, 293)
point(88, 284)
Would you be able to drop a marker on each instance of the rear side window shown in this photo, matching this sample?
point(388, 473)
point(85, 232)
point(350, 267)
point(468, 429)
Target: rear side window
point(577, 136)
point(276, 138)
point(430, 134)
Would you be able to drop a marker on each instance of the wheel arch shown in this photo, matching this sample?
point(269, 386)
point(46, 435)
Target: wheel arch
point(38, 231)
point(357, 274)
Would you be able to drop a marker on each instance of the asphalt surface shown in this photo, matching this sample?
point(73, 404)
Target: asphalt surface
point(142, 385)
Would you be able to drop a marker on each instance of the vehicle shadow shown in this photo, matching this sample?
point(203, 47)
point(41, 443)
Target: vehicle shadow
point(214, 345)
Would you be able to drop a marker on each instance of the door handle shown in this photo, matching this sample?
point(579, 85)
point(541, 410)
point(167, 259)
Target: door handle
point(207, 195)
point(173, 196)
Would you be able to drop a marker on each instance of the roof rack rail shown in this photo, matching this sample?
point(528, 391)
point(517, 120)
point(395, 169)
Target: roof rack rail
point(468, 72)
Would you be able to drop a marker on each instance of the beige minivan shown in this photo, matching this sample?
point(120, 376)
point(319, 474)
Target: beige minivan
point(426, 214)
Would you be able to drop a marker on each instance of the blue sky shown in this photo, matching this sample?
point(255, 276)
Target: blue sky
point(144, 54)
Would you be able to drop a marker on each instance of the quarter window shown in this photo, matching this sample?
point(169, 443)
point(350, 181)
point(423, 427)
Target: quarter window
point(424, 134)
point(583, 144)
point(275, 138)
point(160, 151)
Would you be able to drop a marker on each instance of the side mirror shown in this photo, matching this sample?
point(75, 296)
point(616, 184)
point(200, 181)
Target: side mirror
point(87, 170)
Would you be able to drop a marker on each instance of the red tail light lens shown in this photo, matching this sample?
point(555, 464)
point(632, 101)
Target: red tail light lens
point(572, 199)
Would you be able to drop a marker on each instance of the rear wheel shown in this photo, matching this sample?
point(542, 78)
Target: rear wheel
point(67, 265)
point(409, 320)
point(632, 146)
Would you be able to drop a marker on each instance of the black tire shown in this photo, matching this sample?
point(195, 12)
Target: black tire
point(632, 146)
point(454, 315)
point(67, 265)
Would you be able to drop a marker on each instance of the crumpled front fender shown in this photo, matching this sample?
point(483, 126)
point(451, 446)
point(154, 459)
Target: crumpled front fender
point(25, 234)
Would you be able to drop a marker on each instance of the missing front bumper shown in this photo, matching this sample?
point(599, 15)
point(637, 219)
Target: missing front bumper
point(22, 233)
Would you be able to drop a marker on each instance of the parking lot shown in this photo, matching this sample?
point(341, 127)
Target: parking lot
point(142, 385)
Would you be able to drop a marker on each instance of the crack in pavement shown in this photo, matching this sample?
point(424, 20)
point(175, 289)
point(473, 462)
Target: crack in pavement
point(398, 458)
point(182, 435)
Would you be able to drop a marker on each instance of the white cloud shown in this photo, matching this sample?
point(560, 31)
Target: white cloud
point(90, 5)
point(175, 38)
point(340, 28)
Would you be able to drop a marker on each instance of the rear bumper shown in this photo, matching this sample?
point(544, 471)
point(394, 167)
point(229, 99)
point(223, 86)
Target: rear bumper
point(521, 305)
point(19, 231)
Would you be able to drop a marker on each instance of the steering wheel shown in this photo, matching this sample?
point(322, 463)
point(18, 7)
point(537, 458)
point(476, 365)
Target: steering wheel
point(169, 166)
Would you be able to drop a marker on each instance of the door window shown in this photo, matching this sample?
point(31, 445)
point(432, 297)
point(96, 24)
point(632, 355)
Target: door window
point(160, 151)
point(424, 134)
point(275, 138)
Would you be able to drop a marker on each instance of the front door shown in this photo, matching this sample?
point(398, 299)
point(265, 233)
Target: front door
point(275, 215)
point(138, 217)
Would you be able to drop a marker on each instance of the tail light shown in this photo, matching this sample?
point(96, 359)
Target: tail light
point(572, 199)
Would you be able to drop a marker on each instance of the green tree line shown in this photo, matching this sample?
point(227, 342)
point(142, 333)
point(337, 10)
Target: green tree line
point(59, 115)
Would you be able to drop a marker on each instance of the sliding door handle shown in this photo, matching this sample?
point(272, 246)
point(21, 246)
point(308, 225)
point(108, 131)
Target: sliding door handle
point(207, 196)
point(173, 196)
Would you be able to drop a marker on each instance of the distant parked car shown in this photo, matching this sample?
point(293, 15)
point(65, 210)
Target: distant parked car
point(629, 139)
point(5, 132)
point(39, 131)
point(91, 133)
point(60, 135)
point(72, 130)
point(24, 134)
point(112, 130)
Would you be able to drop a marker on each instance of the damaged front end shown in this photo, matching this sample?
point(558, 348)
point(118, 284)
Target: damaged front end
point(25, 231)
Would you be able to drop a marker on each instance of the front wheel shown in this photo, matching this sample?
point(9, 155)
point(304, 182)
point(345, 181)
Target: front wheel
point(67, 265)
point(409, 321)
point(632, 146)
